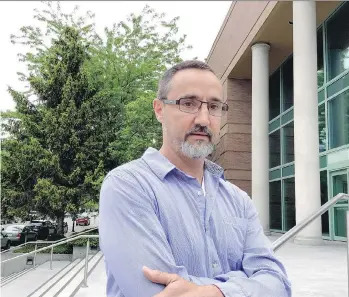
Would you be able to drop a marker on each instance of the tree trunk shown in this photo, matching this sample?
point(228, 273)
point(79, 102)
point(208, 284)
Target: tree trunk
point(60, 228)
point(73, 226)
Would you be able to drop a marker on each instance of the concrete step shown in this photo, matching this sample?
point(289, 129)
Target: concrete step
point(8, 279)
point(28, 282)
point(96, 282)
point(45, 287)
point(66, 283)
point(77, 281)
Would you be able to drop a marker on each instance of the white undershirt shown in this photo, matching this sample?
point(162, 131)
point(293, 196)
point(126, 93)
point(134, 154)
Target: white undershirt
point(203, 185)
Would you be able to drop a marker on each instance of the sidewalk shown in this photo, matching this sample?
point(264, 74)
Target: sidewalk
point(316, 271)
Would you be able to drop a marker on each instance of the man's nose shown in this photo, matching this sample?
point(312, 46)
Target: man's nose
point(203, 116)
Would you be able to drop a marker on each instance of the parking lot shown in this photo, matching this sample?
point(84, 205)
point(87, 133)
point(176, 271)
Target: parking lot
point(93, 219)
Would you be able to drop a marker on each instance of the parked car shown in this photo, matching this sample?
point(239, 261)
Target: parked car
point(5, 241)
point(20, 233)
point(43, 228)
point(83, 221)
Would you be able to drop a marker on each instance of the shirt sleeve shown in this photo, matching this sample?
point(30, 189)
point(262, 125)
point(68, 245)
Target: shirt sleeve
point(266, 276)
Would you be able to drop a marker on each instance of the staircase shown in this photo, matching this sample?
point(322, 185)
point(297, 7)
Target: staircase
point(64, 280)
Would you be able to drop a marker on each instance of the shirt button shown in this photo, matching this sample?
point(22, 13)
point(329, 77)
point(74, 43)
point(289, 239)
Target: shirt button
point(199, 193)
point(214, 265)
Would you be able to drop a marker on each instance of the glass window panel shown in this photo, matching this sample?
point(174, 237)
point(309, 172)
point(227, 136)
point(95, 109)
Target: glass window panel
point(275, 205)
point(288, 116)
point(288, 143)
point(275, 174)
point(274, 95)
point(322, 128)
point(320, 59)
point(288, 170)
point(339, 221)
point(338, 42)
point(339, 120)
point(324, 199)
point(274, 149)
point(290, 207)
point(287, 84)
point(323, 161)
point(338, 85)
point(275, 124)
point(321, 96)
point(340, 185)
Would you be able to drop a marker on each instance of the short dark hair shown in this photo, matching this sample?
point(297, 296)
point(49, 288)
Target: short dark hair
point(164, 84)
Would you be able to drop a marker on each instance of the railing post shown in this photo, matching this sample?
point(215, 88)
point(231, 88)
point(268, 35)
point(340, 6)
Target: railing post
point(348, 247)
point(36, 246)
point(84, 285)
point(51, 258)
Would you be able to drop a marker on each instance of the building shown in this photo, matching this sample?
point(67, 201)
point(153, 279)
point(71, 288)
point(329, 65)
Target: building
point(285, 70)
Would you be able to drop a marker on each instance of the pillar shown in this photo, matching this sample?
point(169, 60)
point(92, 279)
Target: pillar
point(260, 130)
point(306, 129)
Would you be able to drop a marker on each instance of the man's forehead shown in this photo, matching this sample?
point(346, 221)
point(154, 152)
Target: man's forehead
point(196, 82)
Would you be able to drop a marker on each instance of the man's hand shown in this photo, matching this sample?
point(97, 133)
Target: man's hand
point(179, 287)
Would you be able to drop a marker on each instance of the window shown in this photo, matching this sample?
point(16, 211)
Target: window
point(324, 217)
point(274, 149)
point(322, 128)
point(320, 58)
point(287, 84)
point(288, 143)
point(275, 205)
point(339, 120)
point(274, 95)
point(289, 200)
point(338, 42)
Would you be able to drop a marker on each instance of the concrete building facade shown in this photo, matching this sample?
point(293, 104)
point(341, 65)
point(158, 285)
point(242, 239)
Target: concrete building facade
point(285, 140)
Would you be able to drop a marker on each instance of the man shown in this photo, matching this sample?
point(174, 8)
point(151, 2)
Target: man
point(170, 225)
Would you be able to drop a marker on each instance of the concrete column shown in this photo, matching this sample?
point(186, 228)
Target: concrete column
point(306, 129)
point(260, 128)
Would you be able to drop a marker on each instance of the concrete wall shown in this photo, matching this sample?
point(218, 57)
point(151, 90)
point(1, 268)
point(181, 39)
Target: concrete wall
point(20, 264)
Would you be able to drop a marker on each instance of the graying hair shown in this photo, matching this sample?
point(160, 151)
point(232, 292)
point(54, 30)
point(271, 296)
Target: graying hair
point(164, 84)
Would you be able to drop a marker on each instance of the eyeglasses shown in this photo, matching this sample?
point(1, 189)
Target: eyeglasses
point(189, 105)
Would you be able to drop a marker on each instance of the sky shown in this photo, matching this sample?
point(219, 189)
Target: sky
point(199, 20)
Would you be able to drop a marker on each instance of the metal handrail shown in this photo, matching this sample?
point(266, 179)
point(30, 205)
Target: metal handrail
point(51, 246)
point(58, 244)
point(296, 229)
point(44, 242)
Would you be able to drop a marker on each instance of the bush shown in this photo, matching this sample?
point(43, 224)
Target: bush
point(66, 248)
point(94, 242)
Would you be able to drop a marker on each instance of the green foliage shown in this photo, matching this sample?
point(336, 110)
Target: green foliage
point(88, 107)
point(61, 249)
point(94, 242)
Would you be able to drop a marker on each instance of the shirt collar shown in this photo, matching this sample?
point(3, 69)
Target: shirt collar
point(161, 166)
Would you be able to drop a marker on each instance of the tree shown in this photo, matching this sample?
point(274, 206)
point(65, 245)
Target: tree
point(53, 160)
point(129, 64)
point(93, 108)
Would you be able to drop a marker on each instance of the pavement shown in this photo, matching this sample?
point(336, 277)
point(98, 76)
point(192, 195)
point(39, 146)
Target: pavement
point(316, 271)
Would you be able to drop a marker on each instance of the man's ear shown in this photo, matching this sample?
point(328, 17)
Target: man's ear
point(158, 107)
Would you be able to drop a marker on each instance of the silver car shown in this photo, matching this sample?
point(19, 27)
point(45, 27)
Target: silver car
point(20, 233)
point(5, 241)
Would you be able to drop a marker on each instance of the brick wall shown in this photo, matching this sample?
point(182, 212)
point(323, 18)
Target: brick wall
point(233, 151)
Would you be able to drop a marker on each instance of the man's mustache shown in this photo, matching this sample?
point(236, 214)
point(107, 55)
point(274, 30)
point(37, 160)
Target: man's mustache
point(200, 129)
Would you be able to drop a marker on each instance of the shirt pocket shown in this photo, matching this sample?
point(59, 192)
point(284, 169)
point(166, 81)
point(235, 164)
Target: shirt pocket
point(235, 236)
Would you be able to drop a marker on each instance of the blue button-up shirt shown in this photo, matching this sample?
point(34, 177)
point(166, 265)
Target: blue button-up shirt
point(153, 214)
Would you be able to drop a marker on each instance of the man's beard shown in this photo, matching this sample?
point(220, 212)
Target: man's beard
point(198, 149)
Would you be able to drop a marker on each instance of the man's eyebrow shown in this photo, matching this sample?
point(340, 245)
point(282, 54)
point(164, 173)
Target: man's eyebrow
point(192, 96)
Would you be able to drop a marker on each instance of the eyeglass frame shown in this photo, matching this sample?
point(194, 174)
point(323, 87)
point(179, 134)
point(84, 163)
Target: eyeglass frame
point(177, 102)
